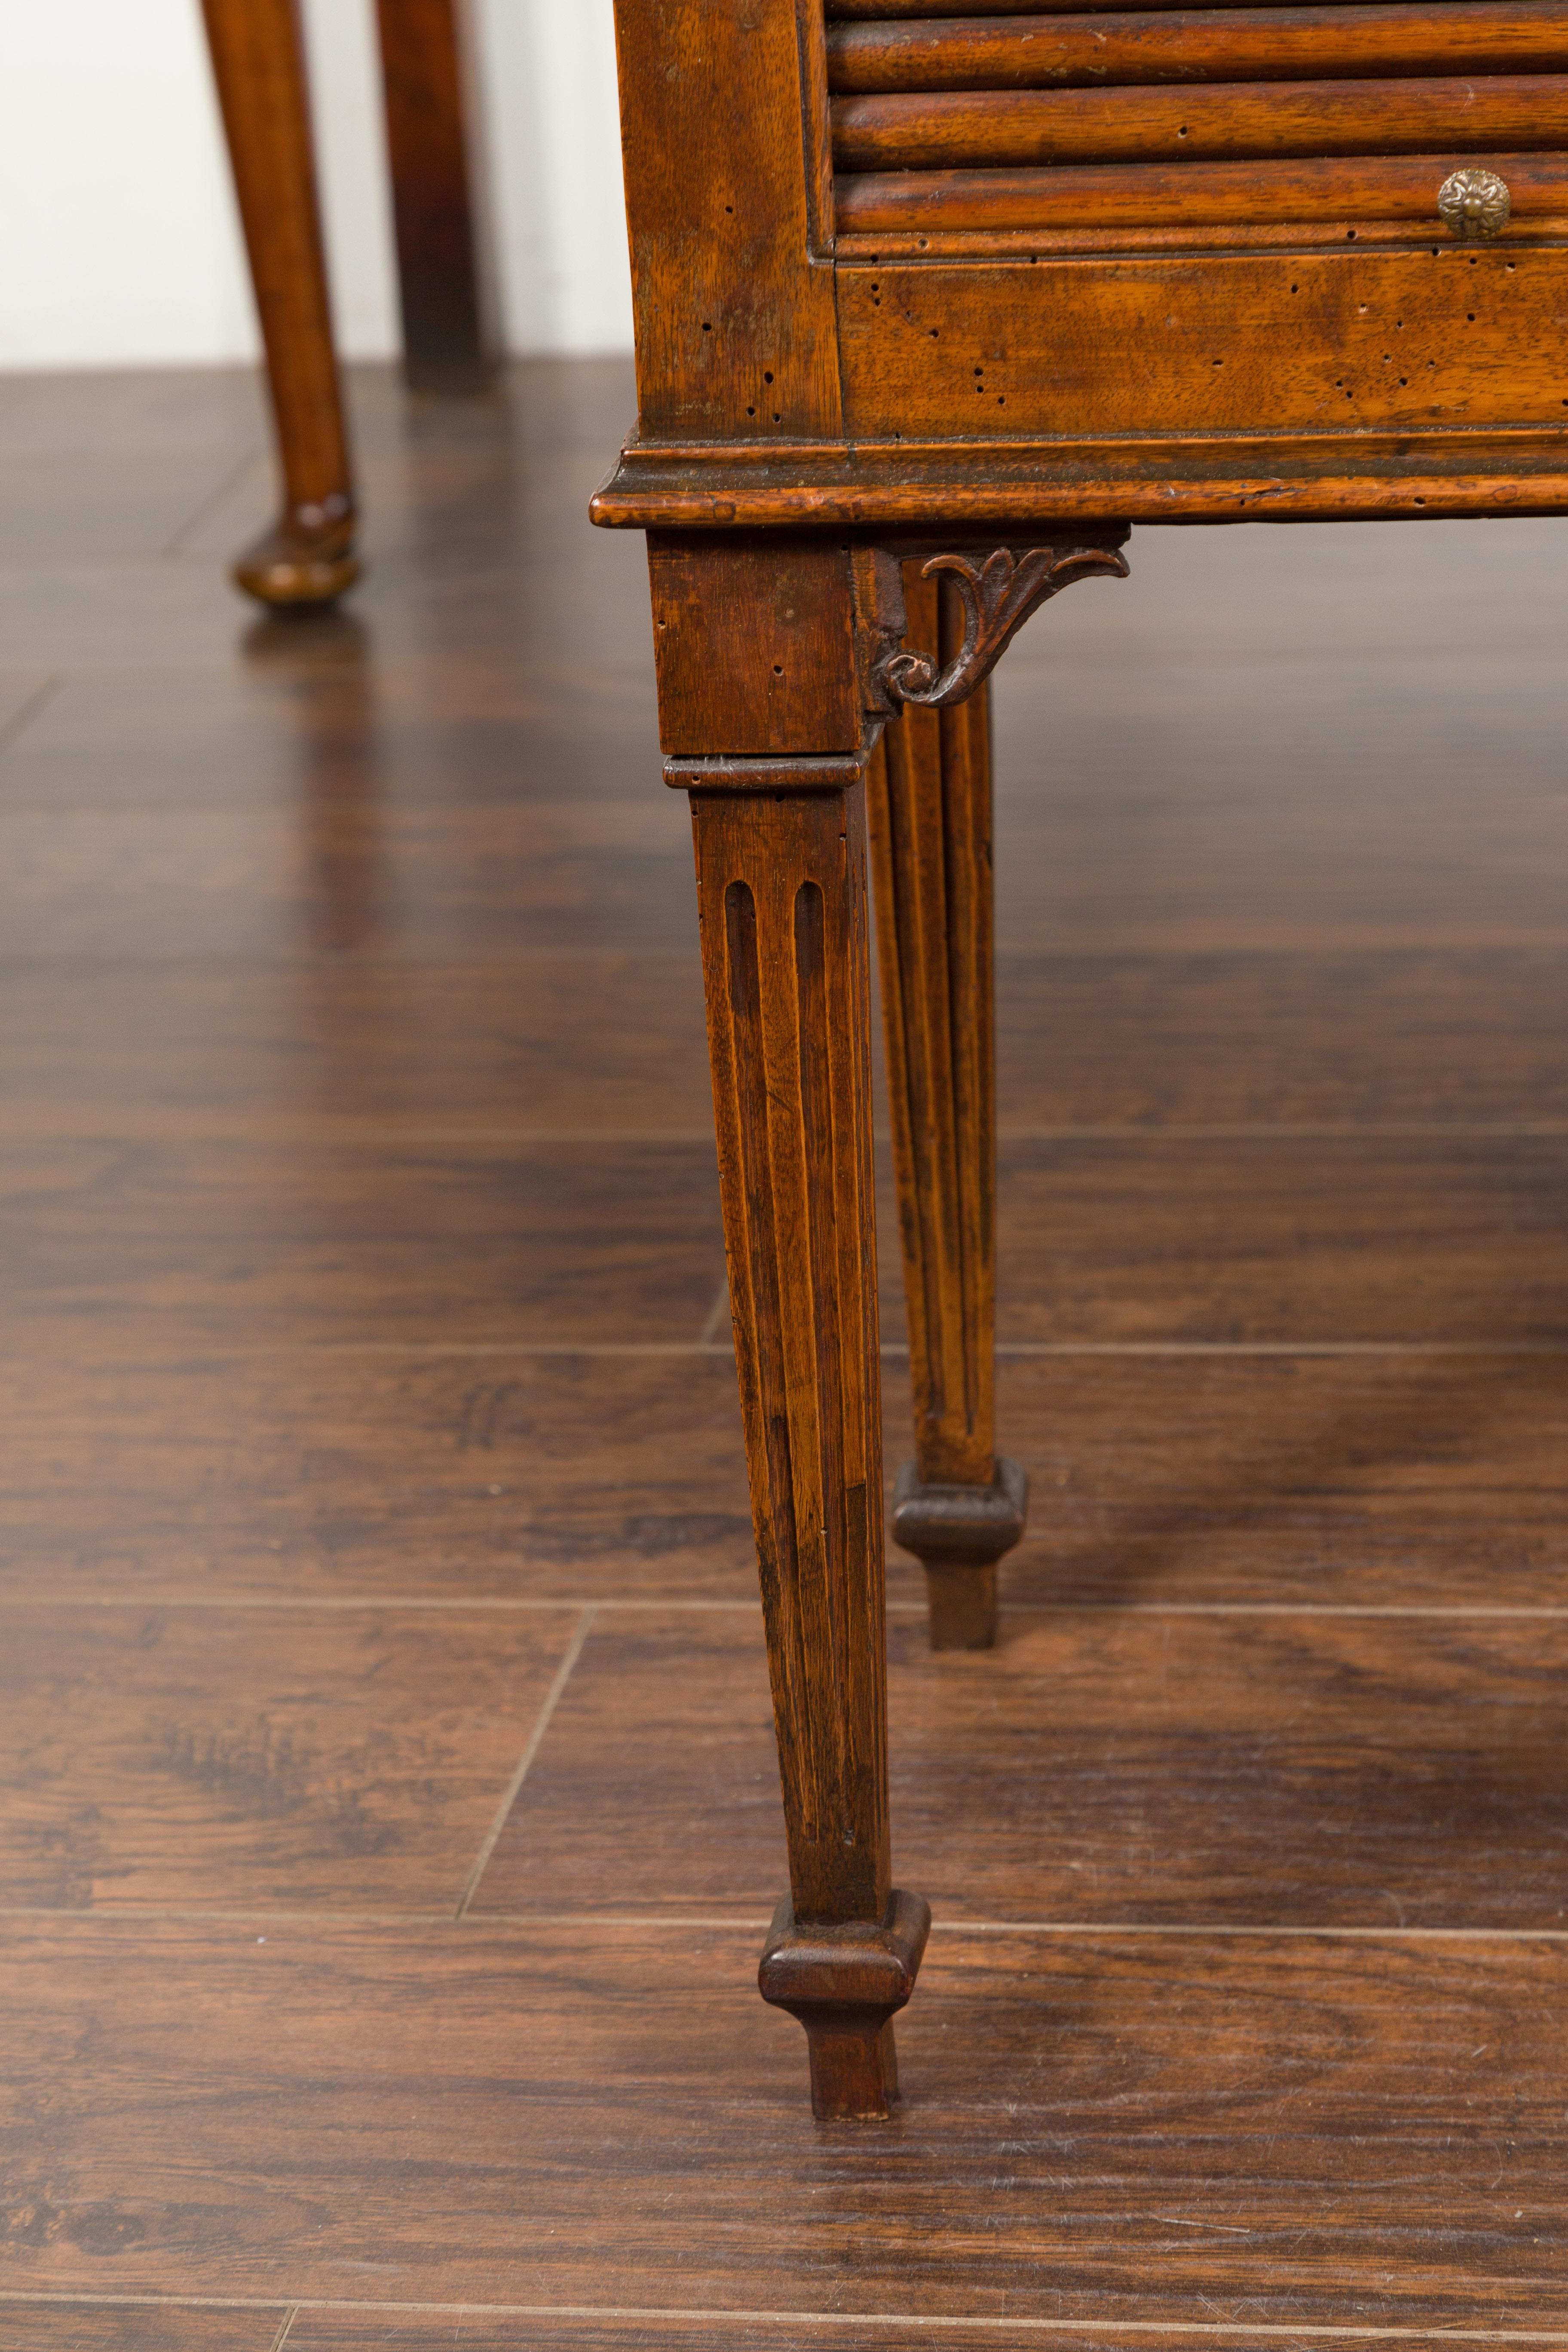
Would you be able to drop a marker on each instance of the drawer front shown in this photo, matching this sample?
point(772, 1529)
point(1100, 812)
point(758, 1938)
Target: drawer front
point(1069, 122)
point(1433, 342)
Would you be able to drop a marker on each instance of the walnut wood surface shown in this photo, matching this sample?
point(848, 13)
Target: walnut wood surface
point(517, 1478)
point(946, 131)
point(153, 2326)
point(1266, 43)
point(784, 916)
point(1265, 1239)
point(1079, 432)
point(1161, 1480)
point(928, 809)
point(438, 270)
point(887, 12)
point(929, 805)
point(1372, 2127)
point(191, 1759)
point(1401, 1481)
point(1072, 207)
point(747, 347)
point(532, 1242)
point(258, 63)
point(1281, 839)
point(1229, 343)
point(315, 2330)
point(233, 882)
point(1305, 1769)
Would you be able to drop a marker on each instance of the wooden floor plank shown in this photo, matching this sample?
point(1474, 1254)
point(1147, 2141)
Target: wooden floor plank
point(287, 730)
point(584, 1042)
point(1379, 1039)
point(1246, 2133)
point(407, 2327)
point(295, 1758)
point(129, 2328)
point(1406, 1482)
point(402, 2330)
point(116, 1245)
point(1193, 1241)
point(1282, 1240)
point(22, 693)
point(1295, 1771)
point(89, 502)
point(596, 1039)
point(158, 883)
point(325, 1477)
point(306, 931)
point(591, 1042)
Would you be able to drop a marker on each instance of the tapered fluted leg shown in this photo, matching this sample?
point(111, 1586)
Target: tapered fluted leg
point(956, 1506)
point(782, 885)
point(307, 558)
point(432, 195)
point(764, 723)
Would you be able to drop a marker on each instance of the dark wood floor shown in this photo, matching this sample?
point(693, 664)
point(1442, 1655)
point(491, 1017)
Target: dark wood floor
point(388, 1813)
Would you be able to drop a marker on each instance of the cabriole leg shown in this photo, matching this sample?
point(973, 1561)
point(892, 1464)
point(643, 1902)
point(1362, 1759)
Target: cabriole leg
point(307, 558)
point(956, 1506)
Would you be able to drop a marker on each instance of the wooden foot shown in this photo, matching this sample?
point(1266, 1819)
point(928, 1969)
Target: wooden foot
point(929, 793)
point(959, 1534)
point(846, 1984)
point(258, 62)
point(305, 561)
point(761, 711)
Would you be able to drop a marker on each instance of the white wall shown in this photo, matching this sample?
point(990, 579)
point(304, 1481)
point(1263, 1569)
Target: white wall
point(119, 243)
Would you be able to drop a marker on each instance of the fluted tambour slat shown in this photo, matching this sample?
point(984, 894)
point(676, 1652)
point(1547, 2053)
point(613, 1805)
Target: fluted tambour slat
point(1233, 44)
point(958, 131)
point(1311, 190)
point(866, 12)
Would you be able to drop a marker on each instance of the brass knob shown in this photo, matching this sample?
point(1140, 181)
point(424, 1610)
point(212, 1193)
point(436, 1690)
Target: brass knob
point(1475, 202)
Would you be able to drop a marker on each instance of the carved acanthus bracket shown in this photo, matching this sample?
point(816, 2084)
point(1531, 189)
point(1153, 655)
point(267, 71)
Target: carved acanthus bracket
point(998, 596)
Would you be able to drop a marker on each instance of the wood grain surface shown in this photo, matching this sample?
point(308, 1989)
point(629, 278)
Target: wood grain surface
point(939, 131)
point(1058, 207)
point(1213, 1240)
point(1265, 44)
point(184, 1757)
point(152, 2327)
point(1409, 1480)
point(1304, 1770)
point(357, 1166)
point(1226, 2131)
point(359, 1243)
point(493, 1476)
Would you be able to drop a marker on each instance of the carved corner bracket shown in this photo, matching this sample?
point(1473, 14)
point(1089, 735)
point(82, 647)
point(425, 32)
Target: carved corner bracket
point(998, 592)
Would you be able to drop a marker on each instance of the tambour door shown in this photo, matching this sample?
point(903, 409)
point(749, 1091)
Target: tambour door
point(1250, 219)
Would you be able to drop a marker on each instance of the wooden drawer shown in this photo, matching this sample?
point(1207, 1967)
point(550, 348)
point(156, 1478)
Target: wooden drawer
point(1097, 225)
point(1433, 339)
point(1065, 121)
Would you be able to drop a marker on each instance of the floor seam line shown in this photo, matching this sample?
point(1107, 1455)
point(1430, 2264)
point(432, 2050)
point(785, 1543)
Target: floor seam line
point(177, 544)
point(552, 1697)
point(739, 1921)
point(38, 700)
point(718, 2315)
